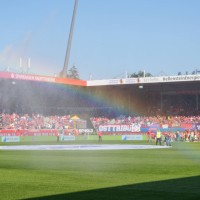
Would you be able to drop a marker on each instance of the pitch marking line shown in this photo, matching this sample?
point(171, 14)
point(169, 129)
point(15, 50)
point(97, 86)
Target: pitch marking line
point(81, 147)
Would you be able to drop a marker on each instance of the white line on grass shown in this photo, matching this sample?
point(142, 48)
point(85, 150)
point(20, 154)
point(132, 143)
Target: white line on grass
point(81, 147)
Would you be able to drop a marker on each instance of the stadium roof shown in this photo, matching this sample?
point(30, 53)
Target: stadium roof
point(179, 80)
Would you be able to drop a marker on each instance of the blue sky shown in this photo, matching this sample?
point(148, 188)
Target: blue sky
point(110, 37)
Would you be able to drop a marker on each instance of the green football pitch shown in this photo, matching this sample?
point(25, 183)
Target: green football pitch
point(172, 173)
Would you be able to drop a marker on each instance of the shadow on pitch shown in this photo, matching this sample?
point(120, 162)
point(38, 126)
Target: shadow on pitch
point(184, 188)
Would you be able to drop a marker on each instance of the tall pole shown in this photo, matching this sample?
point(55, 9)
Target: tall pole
point(29, 65)
point(20, 64)
point(64, 70)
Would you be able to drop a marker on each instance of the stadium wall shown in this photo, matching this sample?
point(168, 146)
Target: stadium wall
point(50, 79)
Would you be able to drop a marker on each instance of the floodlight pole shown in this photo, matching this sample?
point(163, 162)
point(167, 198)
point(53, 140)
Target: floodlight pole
point(64, 70)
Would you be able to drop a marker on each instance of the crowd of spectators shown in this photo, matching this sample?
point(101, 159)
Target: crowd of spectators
point(16, 121)
point(38, 121)
point(171, 121)
point(25, 121)
point(188, 135)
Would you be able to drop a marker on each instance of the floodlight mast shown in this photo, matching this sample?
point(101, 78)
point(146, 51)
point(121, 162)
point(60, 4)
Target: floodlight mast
point(64, 70)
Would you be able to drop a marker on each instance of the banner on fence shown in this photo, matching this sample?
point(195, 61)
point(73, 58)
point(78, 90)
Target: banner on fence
point(132, 137)
point(67, 137)
point(120, 128)
point(86, 131)
point(10, 139)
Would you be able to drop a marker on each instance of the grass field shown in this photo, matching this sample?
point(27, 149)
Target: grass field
point(101, 175)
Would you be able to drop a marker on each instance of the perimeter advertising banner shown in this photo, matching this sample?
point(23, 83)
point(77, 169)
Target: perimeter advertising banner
point(187, 125)
point(35, 132)
point(132, 137)
point(86, 131)
point(67, 138)
point(10, 139)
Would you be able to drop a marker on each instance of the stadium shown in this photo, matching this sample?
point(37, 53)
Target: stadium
point(111, 139)
point(50, 114)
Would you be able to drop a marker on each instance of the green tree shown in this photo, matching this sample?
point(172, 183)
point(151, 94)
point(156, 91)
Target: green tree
point(73, 73)
point(140, 74)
